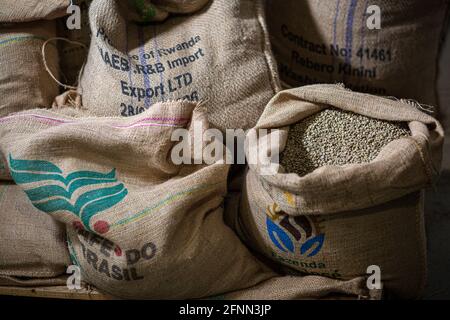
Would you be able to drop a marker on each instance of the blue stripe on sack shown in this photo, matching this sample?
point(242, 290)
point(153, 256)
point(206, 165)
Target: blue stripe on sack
point(349, 28)
point(158, 60)
point(130, 75)
point(147, 101)
point(21, 38)
point(336, 15)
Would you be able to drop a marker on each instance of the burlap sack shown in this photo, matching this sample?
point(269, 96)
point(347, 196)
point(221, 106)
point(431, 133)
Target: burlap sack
point(24, 82)
point(8, 281)
point(73, 53)
point(329, 41)
point(32, 244)
point(138, 225)
point(339, 220)
point(290, 284)
point(219, 54)
point(31, 10)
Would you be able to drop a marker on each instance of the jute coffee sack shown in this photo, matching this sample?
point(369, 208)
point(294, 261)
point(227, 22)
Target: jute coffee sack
point(288, 284)
point(335, 41)
point(32, 10)
point(338, 220)
point(73, 54)
point(138, 225)
point(32, 244)
point(24, 81)
point(194, 57)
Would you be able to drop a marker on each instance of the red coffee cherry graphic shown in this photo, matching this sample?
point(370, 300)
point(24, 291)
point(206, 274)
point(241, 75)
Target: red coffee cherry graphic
point(78, 225)
point(118, 251)
point(101, 227)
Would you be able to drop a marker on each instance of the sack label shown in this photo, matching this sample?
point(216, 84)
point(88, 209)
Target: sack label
point(310, 62)
point(295, 237)
point(99, 254)
point(164, 72)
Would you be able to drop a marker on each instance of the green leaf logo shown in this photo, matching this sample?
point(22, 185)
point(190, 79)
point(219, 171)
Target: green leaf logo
point(58, 193)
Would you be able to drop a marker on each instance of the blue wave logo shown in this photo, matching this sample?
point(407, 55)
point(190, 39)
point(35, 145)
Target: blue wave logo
point(289, 231)
point(58, 194)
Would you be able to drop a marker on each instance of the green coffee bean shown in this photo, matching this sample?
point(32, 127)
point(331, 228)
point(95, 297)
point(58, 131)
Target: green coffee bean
point(337, 137)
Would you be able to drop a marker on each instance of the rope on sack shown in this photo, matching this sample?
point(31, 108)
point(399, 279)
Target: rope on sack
point(65, 86)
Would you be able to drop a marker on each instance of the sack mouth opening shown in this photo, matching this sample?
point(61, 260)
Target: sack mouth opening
point(380, 180)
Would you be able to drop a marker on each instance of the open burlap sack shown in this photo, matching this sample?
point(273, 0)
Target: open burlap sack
point(31, 10)
point(339, 220)
point(219, 54)
point(330, 41)
point(24, 81)
point(32, 244)
point(138, 225)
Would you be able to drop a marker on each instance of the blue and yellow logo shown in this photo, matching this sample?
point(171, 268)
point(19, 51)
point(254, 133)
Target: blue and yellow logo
point(286, 231)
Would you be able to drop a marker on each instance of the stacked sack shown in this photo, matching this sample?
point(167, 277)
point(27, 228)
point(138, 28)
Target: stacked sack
point(381, 47)
point(339, 220)
point(32, 245)
point(140, 226)
point(32, 10)
point(24, 81)
point(33, 248)
point(213, 54)
point(75, 34)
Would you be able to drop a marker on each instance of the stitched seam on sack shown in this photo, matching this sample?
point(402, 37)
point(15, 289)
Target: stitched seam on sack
point(267, 50)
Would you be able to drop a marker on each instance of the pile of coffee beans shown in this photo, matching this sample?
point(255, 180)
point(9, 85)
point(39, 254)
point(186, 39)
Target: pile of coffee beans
point(337, 137)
